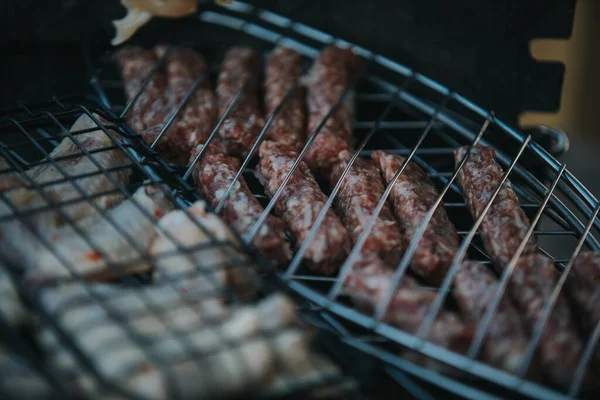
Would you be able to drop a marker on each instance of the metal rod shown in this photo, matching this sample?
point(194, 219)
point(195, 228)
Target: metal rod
point(256, 143)
point(492, 307)
point(460, 254)
point(402, 267)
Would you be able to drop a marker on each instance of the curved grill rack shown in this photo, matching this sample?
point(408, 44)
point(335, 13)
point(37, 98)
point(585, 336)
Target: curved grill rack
point(402, 112)
point(406, 113)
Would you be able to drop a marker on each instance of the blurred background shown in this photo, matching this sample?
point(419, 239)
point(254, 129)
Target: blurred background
point(577, 114)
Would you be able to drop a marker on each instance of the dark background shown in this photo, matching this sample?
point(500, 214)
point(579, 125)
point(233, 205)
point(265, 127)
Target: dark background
point(478, 48)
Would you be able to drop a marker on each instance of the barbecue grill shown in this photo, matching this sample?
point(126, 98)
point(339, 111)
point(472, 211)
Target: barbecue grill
point(397, 110)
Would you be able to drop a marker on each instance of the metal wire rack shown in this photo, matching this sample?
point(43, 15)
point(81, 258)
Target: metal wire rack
point(402, 112)
point(406, 113)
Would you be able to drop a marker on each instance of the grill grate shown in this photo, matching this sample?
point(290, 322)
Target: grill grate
point(399, 111)
point(403, 112)
point(136, 318)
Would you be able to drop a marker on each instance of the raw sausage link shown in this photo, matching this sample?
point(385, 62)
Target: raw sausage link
point(583, 285)
point(370, 280)
point(505, 224)
point(329, 75)
point(506, 339)
point(282, 70)
point(245, 121)
point(531, 285)
point(198, 117)
point(412, 197)
point(213, 175)
point(300, 203)
point(359, 193)
point(147, 114)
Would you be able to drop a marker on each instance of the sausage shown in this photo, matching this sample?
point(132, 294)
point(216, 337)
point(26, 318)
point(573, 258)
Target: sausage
point(531, 284)
point(412, 197)
point(506, 338)
point(245, 121)
point(198, 117)
point(583, 289)
point(147, 114)
point(282, 69)
point(357, 198)
point(213, 175)
point(505, 225)
point(299, 204)
point(329, 75)
point(370, 279)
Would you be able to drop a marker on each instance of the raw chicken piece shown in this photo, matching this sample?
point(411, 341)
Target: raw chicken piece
point(76, 167)
point(108, 241)
point(187, 250)
point(207, 353)
point(139, 12)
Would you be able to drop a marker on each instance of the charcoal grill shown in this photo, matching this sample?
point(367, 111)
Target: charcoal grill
point(397, 110)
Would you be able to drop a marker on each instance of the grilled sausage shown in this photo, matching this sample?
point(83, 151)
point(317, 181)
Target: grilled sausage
point(583, 285)
point(531, 285)
point(213, 175)
point(412, 197)
point(370, 279)
point(300, 203)
point(359, 193)
point(198, 117)
point(282, 70)
point(506, 339)
point(245, 121)
point(147, 114)
point(329, 75)
point(505, 225)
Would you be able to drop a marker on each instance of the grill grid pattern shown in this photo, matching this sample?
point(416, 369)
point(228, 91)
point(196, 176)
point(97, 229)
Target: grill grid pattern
point(424, 121)
point(400, 111)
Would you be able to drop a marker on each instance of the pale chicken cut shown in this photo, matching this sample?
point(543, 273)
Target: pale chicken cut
point(135, 217)
point(207, 353)
point(84, 171)
point(187, 245)
point(139, 12)
point(24, 215)
point(14, 313)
